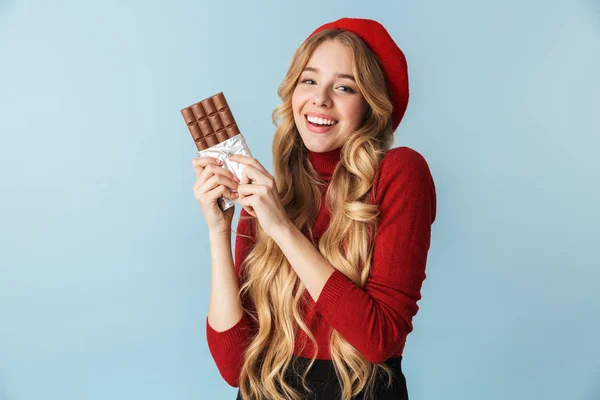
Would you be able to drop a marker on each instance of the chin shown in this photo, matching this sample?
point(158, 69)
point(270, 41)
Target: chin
point(318, 147)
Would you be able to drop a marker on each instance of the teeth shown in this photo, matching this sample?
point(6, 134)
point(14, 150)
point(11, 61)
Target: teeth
point(320, 121)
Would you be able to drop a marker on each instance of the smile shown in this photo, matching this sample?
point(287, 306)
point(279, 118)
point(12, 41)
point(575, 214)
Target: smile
point(319, 125)
point(320, 121)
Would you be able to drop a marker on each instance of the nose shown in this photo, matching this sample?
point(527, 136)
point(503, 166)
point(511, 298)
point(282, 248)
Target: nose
point(322, 98)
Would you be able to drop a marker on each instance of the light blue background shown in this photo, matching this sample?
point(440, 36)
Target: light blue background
point(104, 278)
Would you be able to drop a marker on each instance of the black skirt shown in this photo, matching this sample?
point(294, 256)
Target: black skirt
point(321, 379)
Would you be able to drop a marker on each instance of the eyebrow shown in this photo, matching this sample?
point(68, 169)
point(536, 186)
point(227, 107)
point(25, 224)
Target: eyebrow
point(339, 75)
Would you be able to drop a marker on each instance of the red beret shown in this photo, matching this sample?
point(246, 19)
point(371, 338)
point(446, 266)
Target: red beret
point(387, 51)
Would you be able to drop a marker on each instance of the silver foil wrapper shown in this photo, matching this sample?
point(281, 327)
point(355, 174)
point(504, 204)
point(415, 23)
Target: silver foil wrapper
point(234, 145)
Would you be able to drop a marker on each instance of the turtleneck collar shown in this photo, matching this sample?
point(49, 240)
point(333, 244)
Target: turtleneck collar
point(325, 163)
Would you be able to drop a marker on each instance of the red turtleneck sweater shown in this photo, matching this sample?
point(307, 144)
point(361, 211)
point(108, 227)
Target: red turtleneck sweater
point(377, 318)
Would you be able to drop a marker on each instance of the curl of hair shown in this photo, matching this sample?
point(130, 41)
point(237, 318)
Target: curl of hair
point(269, 281)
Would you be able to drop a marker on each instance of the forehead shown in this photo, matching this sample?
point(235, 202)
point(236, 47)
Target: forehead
point(332, 56)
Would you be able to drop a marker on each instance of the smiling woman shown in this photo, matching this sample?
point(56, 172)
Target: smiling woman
point(327, 105)
point(330, 252)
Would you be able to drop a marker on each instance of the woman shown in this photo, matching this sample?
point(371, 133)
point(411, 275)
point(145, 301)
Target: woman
point(330, 253)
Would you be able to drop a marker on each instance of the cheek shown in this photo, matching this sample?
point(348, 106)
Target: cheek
point(354, 112)
point(297, 105)
point(297, 100)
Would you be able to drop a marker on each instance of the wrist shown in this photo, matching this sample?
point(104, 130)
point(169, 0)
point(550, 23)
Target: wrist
point(219, 233)
point(284, 232)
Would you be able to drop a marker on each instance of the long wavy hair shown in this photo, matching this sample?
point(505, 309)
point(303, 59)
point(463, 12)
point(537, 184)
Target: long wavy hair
point(268, 281)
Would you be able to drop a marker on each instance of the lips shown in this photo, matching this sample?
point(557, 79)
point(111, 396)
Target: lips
point(318, 129)
point(320, 116)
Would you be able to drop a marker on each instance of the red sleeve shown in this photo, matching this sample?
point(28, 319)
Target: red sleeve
point(227, 347)
point(377, 319)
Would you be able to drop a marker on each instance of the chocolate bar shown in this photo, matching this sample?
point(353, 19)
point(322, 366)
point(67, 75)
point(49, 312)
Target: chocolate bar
point(210, 121)
point(216, 134)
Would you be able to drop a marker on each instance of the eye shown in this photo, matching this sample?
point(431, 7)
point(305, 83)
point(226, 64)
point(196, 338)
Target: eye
point(346, 89)
point(308, 81)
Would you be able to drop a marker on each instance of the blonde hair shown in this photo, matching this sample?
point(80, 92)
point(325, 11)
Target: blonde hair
point(269, 282)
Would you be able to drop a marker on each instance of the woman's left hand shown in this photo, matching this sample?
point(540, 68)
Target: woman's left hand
point(259, 197)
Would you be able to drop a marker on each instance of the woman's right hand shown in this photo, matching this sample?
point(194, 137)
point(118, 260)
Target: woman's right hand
point(212, 182)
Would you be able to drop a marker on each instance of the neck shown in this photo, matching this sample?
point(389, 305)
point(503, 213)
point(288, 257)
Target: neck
point(325, 163)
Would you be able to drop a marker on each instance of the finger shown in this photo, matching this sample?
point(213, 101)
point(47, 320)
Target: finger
point(212, 169)
point(222, 191)
point(214, 181)
point(251, 189)
point(214, 194)
point(244, 179)
point(246, 204)
point(257, 176)
point(200, 163)
point(248, 161)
